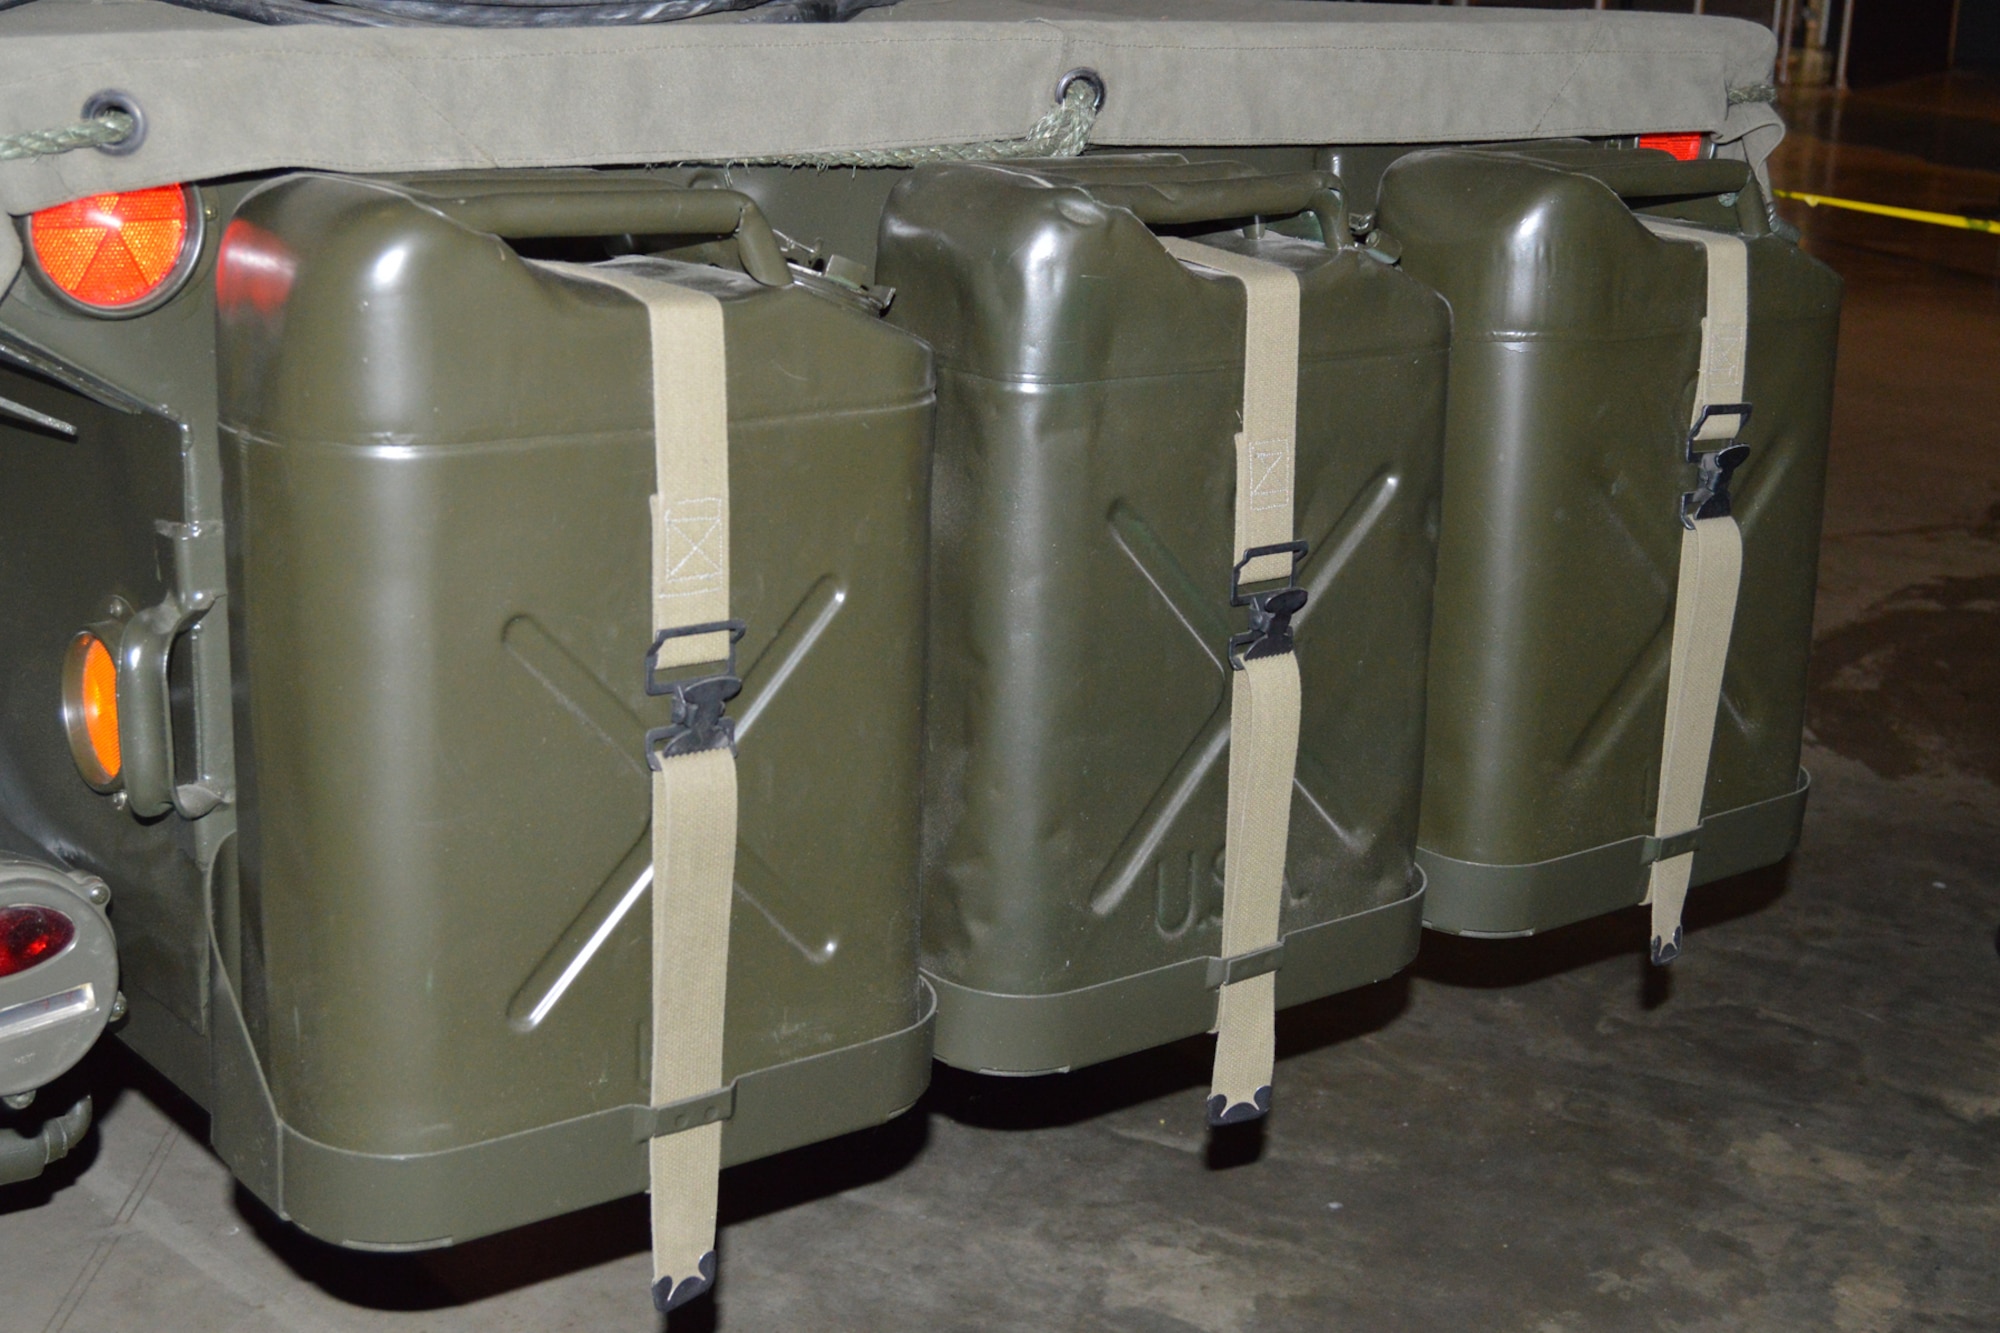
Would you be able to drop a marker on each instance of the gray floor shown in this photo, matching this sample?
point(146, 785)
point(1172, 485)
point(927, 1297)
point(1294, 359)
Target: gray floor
point(1799, 1129)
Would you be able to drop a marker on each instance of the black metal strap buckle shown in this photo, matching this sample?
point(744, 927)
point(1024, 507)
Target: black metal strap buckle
point(1270, 632)
point(1716, 460)
point(1741, 411)
point(698, 701)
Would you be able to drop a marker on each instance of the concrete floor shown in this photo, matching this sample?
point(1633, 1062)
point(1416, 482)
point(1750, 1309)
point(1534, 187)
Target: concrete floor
point(1799, 1128)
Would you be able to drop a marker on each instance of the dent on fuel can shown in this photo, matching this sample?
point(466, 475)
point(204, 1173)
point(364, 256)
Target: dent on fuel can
point(1078, 711)
point(439, 457)
point(1577, 334)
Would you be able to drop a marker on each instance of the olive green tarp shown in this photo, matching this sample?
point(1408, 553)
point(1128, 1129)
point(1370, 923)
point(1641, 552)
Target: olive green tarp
point(223, 96)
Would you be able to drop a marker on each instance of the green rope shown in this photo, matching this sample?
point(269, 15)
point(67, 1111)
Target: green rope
point(98, 132)
point(1063, 132)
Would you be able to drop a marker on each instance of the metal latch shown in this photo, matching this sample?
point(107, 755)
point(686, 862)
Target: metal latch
point(1270, 632)
point(698, 701)
point(1715, 460)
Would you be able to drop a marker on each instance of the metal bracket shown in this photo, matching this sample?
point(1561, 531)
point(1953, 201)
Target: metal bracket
point(1270, 632)
point(1243, 966)
point(23, 413)
point(708, 1108)
point(143, 648)
point(698, 723)
point(1653, 849)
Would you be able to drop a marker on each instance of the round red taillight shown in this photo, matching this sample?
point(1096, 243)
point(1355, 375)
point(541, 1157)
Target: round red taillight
point(30, 934)
point(116, 253)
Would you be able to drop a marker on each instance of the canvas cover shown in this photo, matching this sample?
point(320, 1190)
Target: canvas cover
point(222, 96)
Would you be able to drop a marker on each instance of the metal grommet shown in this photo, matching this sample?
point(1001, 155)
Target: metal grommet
point(1084, 75)
point(113, 100)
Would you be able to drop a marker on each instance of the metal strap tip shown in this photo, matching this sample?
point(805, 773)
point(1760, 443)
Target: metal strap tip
point(669, 1295)
point(1222, 1113)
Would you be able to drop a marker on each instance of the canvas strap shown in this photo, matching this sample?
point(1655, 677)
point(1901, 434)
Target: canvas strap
point(1264, 685)
point(694, 768)
point(1710, 574)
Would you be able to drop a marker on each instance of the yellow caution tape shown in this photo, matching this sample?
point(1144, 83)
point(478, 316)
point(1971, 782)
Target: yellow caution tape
point(1890, 211)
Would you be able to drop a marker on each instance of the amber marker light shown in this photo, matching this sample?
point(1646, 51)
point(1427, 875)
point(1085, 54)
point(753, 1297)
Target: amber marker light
point(1686, 147)
point(90, 710)
point(117, 254)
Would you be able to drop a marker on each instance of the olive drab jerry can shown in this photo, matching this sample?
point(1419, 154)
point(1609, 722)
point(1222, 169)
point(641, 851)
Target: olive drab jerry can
point(439, 456)
point(1092, 594)
point(1640, 387)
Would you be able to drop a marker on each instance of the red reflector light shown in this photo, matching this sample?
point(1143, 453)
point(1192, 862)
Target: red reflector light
point(31, 935)
point(1686, 147)
point(114, 252)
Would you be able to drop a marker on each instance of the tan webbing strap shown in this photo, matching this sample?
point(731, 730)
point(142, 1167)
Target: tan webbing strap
point(1270, 402)
point(1263, 746)
point(1710, 575)
point(1264, 687)
point(694, 865)
point(694, 779)
point(1725, 329)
